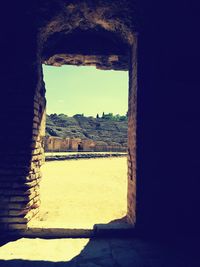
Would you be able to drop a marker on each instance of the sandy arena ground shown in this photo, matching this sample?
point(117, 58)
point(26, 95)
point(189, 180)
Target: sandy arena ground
point(81, 193)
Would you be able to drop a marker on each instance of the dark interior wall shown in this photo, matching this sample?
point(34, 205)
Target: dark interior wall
point(20, 114)
point(168, 114)
point(27, 26)
point(132, 112)
point(168, 124)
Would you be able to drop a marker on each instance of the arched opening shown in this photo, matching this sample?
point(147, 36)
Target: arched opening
point(117, 51)
point(113, 54)
point(80, 147)
point(107, 173)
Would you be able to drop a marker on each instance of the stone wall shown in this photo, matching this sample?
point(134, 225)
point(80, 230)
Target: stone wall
point(22, 156)
point(168, 111)
point(88, 145)
point(58, 144)
point(37, 146)
point(74, 144)
point(27, 42)
point(131, 202)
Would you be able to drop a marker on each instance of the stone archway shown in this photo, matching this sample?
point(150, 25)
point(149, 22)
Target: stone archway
point(70, 22)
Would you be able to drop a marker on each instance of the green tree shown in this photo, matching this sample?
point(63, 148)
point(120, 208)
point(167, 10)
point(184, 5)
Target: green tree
point(108, 116)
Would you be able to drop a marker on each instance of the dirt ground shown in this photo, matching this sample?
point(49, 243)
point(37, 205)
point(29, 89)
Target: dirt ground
point(81, 193)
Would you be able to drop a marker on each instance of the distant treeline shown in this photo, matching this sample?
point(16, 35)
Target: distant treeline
point(108, 116)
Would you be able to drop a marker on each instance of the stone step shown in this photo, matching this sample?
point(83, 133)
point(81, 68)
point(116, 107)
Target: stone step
point(99, 230)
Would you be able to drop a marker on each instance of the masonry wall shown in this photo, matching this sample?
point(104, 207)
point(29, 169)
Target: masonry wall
point(21, 158)
point(131, 201)
point(21, 112)
point(168, 113)
point(56, 144)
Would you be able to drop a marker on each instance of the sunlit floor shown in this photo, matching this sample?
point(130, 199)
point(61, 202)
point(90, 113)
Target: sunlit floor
point(78, 194)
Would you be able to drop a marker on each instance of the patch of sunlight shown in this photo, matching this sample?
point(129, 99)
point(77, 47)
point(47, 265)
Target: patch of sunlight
point(54, 250)
point(77, 194)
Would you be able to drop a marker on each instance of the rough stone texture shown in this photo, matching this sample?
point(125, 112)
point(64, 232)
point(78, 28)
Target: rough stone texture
point(105, 133)
point(36, 41)
point(18, 178)
point(67, 144)
point(57, 144)
point(102, 29)
point(113, 62)
point(167, 103)
point(132, 136)
point(20, 170)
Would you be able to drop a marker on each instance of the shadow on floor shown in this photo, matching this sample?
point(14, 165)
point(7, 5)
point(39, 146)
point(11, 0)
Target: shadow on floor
point(119, 252)
point(4, 240)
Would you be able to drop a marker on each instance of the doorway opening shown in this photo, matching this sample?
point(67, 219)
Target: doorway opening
point(80, 147)
point(86, 184)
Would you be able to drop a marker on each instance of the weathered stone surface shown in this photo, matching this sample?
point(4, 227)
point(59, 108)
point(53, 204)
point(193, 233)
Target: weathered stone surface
point(101, 30)
point(16, 192)
point(131, 205)
point(85, 133)
point(23, 198)
point(48, 27)
point(111, 62)
point(17, 226)
point(13, 220)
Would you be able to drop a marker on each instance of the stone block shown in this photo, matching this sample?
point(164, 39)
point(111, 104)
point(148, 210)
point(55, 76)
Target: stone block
point(36, 119)
point(36, 105)
point(13, 220)
point(17, 226)
point(24, 198)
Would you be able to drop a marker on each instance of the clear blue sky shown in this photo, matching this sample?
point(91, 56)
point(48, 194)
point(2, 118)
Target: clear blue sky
point(76, 90)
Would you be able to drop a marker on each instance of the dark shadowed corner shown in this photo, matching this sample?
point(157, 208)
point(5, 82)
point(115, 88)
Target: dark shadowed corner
point(156, 43)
